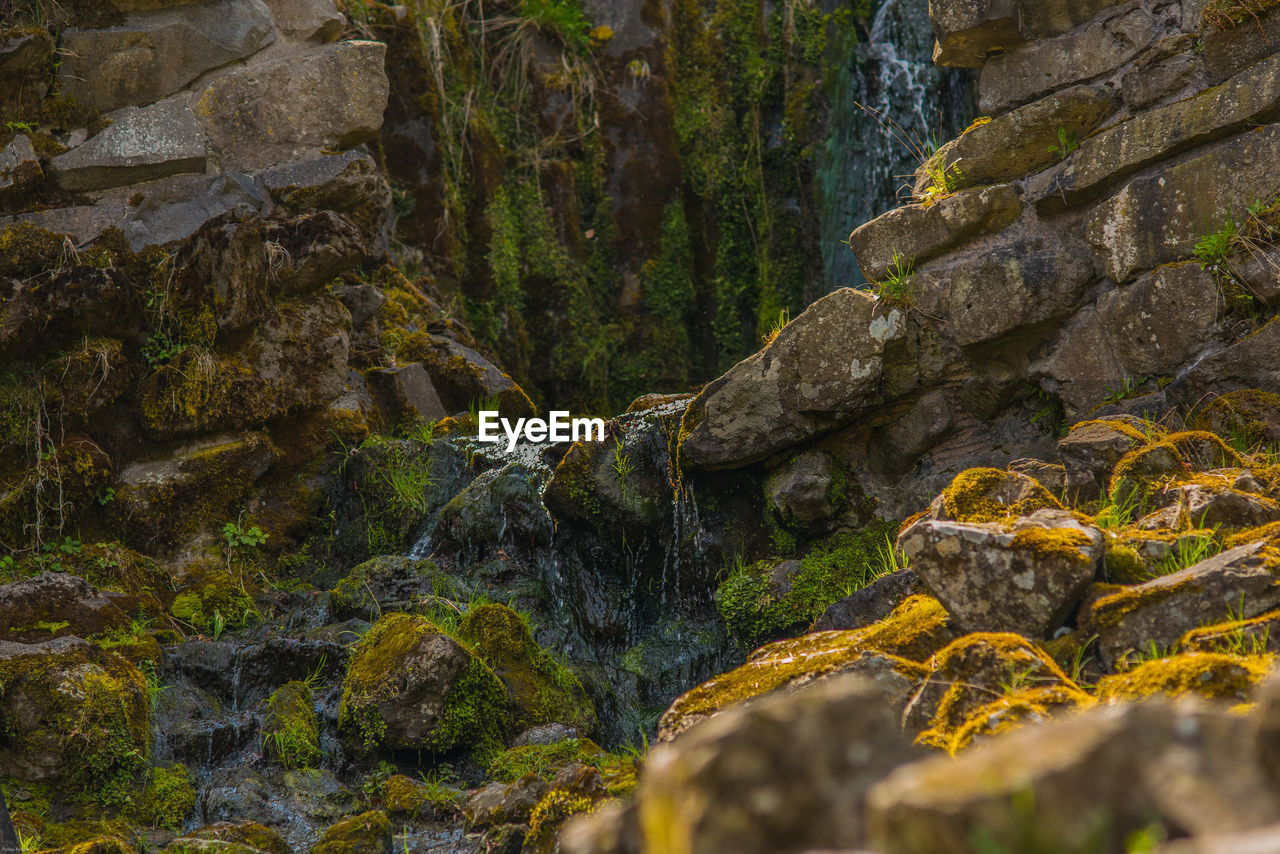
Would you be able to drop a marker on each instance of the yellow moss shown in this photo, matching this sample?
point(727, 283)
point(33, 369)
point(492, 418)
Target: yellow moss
point(1210, 675)
point(1056, 543)
point(1252, 535)
point(1120, 427)
point(1123, 564)
point(969, 497)
point(1233, 636)
point(367, 833)
point(1008, 713)
point(1205, 450)
point(1250, 416)
point(552, 811)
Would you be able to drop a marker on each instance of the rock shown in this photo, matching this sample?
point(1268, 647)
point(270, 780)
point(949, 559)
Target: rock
point(1011, 286)
point(898, 446)
point(278, 111)
point(349, 183)
point(175, 208)
point(1020, 142)
point(75, 715)
point(918, 233)
point(1171, 67)
point(411, 687)
point(820, 372)
point(1162, 610)
point(308, 253)
point(765, 779)
point(24, 63)
point(968, 31)
point(1183, 766)
point(1040, 67)
point(884, 654)
point(872, 603)
point(1158, 218)
point(1266, 734)
point(363, 301)
point(1211, 675)
point(1241, 366)
point(1025, 577)
point(799, 492)
point(166, 497)
point(1224, 507)
point(983, 684)
point(367, 833)
point(497, 804)
point(463, 376)
point(19, 167)
point(1229, 49)
point(1081, 367)
point(253, 836)
point(1153, 136)
point(1090, 453)
point(1251, 414)
point(544, 734)
point(56, 604)
point(224, 267)
point(1051, 476)
point(389, 583)
point(309, 20)
point(1264, 840)
point(405, 393)
point(1257, 270)
point(243, 674)
point(157, 54)
point(991, 495)
point(1163, 320)
point(1257, 635)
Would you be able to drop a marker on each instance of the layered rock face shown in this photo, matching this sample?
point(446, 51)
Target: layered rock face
point(1100, 238)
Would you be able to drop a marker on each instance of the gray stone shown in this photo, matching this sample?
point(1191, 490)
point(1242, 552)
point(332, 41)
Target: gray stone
point(363, 301)
point(898, 445)
point(1024, 578)
point(140, 145)
point(1160, 322)
point(871, 604)
point(331, 98)
point(1174, 67)
point(1051, 476)
point(19, 167)
point(1264, 840)
point(158, 53)
point(1247, 364)
point(349, 183)
point(176, 208)
point(310, 20)
point(1090, 453)
point(766, 779)
point(1158, 218)
point(462, 375)
point(1041, 67)
point(821, 371)
point(1227, 50)
point(969, 30)
point(800, 490)
point(1022, 141)
point(1161, 611)
point(406, 392)
point(1081, 368)
point(1154, 136)
point(917, 233)
point(1183, 766)
point(30, 606)
point(497, 804)
point(544, 735)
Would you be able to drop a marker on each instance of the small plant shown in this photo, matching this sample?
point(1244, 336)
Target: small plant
point(783, 318)
point(21, 127)
point(1188, 551)
point(238, 540)
point(107, 497)
point(1151, 652)
point(1117, 509)
point(1129, 387)
point(622, 463)
point(894, 287)
point(1079, 657)
point(944, 180)
point(1212, 249)
point(161, 349)
point(1066, 144)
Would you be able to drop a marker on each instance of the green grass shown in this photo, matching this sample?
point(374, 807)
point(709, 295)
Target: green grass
point(895, 286)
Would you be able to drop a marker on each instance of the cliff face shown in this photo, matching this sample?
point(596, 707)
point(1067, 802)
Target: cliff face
point(1100, 242)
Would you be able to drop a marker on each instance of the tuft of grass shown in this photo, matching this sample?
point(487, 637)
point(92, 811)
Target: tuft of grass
point(783, 318)
point(895, 286)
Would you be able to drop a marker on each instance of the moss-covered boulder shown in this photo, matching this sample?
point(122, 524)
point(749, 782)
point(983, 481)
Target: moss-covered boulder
point(1250, 417)
point(367, 833)
point(225, 837)
point(388, 583)
point(73, 714)
point(212, 598)
point(406, 798)
point(410, 686)
point(991, 495)
point(1091, 451)
point(169, 798)
point(55, 604)
point(542, 689)
point(880, 653)
point(983, 683)
point(1212, 675)
point(291, 733)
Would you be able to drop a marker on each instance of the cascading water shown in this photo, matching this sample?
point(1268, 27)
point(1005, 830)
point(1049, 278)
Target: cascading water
point(863, 167)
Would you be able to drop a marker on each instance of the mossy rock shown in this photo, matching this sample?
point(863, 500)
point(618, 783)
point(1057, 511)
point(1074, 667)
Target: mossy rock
point(403, 797)
point(543, 760)
point(542, 689)
point(1214, 676)
point(1250, 417)
point(215, 598)
point(389, 583)
point(991, 495)
point(169, 798)
point(77, 714)
point(1256, 636)
point(1123, 564)
point(27, 250)
point(1140, 472)
point(410, 686)
point(244, 837)
point(291, 733)
point(979, 669)
point(101, 845)
point(367, 833)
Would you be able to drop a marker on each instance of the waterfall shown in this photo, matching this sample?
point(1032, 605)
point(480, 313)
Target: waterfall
point(862, 168)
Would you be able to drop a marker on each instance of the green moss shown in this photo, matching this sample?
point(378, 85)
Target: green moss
point(1032, 705)
point(26, 250)
point(1245, 418)
point(170, 797)
point(244, 837)
point(473, 713)
point(1214, 676)
point(291, 734)
point(975, 496)
point(556, 807)
point(367, 833)
point(544, 690)
point(1124, 565)
point(833, 568)
point(217, 600)
point(406, 798)
point(544, 760)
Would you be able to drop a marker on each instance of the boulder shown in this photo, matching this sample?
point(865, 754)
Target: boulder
point(497, 804)
point(405, 394)
point(412, 687)
point(913, 234)
point(990, 495)
point(1161, 611)
point(1243, 365)
point(463, 376)
point(1091, 452)
point(389, 583)
point(19, 167)
point(1158, 218)
point(159, 53)
point(367, 833)
point(349, 183)
point(766, 779)
point(1019, 142)
point(1025, 577)
point(1150, 137)
point(799, 492)
point(821, 371)
point(1163, 320)
point(899, 445)
point(872, 603)
point(282, 110)
point(1040, 67)
point(309, 252)
point(56, 604)
point(1251, 414)
point(309, 20)
point(968, 31)
point(1084, 783)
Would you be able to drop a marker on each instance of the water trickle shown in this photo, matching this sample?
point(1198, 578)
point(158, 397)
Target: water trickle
point(862, 168)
